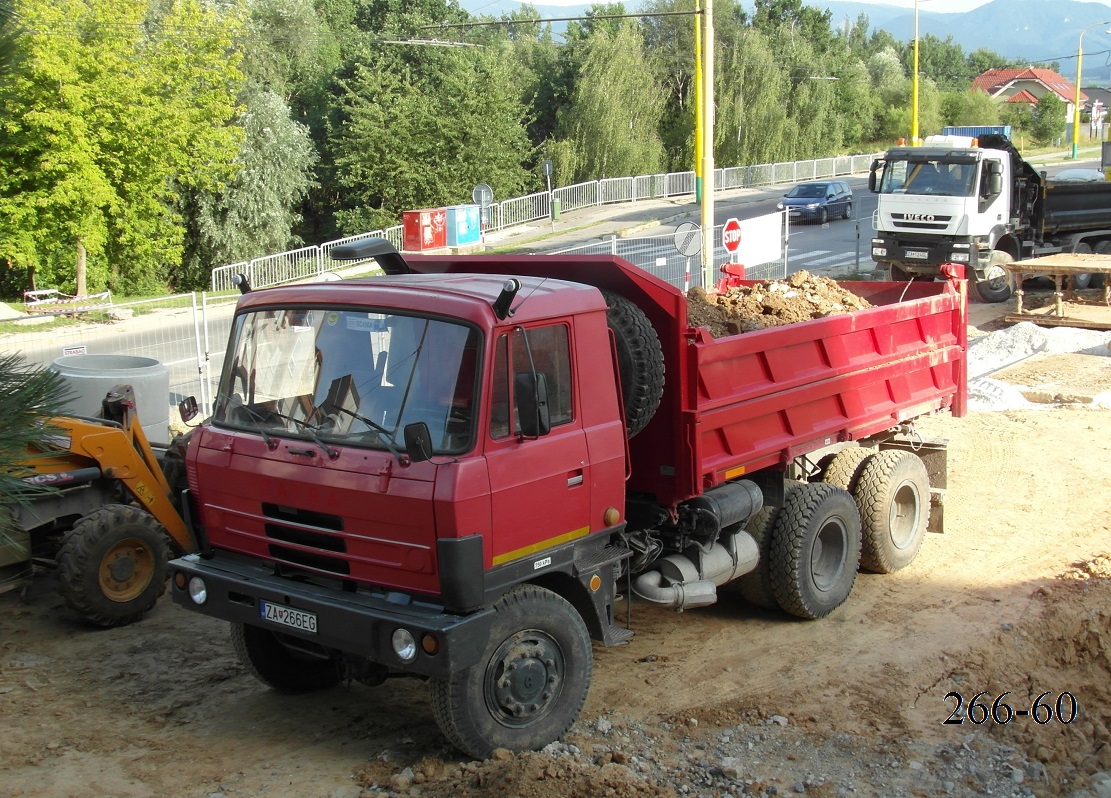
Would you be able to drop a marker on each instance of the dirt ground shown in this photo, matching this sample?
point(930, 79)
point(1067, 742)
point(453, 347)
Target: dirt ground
point(1014, 597)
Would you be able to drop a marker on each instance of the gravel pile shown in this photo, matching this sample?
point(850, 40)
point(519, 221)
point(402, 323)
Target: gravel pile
point(616, 757)
point(998, 350)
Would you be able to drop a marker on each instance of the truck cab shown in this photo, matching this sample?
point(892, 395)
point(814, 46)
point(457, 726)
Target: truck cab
point(943, 202)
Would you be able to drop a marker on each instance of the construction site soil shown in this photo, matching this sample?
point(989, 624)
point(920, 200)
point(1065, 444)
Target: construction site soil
point(914, 687)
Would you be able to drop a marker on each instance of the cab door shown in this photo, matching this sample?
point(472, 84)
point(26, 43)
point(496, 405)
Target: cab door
point(539, 486)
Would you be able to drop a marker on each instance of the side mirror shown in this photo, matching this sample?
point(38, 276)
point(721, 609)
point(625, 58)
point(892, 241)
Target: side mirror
point(188, 409)
point(876, 164)
point(418, 442)
point(530, 391)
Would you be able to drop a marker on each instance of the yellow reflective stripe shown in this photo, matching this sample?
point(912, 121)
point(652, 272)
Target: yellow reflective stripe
point(544, 544)
point(733, 473)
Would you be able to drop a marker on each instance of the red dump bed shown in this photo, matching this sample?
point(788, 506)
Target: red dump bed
point(735, 405)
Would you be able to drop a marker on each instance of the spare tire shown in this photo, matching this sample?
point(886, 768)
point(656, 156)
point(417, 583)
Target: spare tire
point(640, 361)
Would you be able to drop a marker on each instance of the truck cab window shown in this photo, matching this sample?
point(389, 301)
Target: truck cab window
point(547, 350)
point(352, 377)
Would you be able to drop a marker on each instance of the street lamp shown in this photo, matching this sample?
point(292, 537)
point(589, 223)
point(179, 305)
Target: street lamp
point(914, 83)
point(1076, 99)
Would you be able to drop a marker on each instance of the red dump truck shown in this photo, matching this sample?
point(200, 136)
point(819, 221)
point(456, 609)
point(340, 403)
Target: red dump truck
point(456, 471)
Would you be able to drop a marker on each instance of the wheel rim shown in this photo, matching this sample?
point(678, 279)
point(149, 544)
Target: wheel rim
point(524, 678)
point(903, 515)
point(126, 570)
point(827, 559)
point(996, 276)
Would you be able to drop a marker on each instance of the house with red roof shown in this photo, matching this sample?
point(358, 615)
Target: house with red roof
point(1027, 85)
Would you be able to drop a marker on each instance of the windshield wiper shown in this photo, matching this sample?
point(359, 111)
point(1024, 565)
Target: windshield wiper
point(259, 417)
point(254, 416)
point(385, 434)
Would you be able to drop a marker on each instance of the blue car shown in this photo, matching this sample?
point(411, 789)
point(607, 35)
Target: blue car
point(819, 201)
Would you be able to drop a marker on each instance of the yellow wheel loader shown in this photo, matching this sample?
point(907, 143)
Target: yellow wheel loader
point(111, 521)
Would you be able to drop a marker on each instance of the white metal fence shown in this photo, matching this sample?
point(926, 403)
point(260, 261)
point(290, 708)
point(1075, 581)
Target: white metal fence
point(313, 261)
point(188, 332)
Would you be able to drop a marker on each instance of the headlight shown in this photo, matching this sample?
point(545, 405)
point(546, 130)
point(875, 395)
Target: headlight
point(404, 645)
point(779, 206)
point(880, 251)
point(198, 590)
point(811, 206)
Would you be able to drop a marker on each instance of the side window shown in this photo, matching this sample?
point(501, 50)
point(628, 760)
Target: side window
point(543, 349)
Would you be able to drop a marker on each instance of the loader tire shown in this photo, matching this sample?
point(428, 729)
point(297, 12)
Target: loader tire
point(640, 361)
point(112, 565)
point(282, 662)
point(815, 550)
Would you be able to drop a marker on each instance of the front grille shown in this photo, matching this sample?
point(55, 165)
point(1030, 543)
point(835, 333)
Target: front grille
point(310, 538)
point(920, 221)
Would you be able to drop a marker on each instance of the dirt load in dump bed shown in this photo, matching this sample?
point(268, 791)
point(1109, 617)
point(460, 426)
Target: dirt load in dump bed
point(770, 303)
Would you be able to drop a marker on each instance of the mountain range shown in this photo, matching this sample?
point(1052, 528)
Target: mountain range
point(1029, 31)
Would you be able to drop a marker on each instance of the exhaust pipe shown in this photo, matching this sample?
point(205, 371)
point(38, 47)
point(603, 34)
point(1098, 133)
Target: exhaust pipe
point(680, 583)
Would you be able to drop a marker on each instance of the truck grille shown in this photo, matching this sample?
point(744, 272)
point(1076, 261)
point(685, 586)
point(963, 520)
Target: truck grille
point(312, 542)
point(920, 221)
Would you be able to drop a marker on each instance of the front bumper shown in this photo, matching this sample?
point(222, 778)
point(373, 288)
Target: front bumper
point(357, 623)
point(925, 256)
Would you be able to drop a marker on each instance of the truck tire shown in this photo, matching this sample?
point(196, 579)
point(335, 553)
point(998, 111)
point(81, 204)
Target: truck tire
point(276, 661)
point(845, 467)
point(1079, 282)
point(893, 496)
point(640, 361)
point(1102, 247)
point(112, 565)
point(996, 285)
point(530, 683)
point(755, 587)
point(815, 550)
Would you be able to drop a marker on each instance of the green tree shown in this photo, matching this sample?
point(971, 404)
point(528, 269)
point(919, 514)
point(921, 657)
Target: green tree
point(411, 136)
point(255, 214)
point(969, 107)
point(115, 112)
point(1047, 122)
point(9, 39)
point(611, 126)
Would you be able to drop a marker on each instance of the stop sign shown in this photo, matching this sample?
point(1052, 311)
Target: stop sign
point(731, 235)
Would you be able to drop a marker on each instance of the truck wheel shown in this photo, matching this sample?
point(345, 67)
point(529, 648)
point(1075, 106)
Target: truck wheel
point(815, 550)
point(1102, 247)
point(755, 587)
point(1081, 281)
point(893, 496)
point(112, 565)
point(281, 662)
point(529, 685)
point(640, 361)
point(845, 467)
point(996, 285)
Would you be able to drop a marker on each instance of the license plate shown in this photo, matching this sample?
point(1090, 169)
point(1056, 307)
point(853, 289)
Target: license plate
point(916, 255)
point(287, 616)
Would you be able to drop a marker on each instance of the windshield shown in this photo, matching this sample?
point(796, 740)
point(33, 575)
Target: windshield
point(351, 377)
point(928, 176)
point(808, 191)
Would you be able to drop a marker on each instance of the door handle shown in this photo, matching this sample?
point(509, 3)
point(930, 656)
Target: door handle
point(575, 479)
